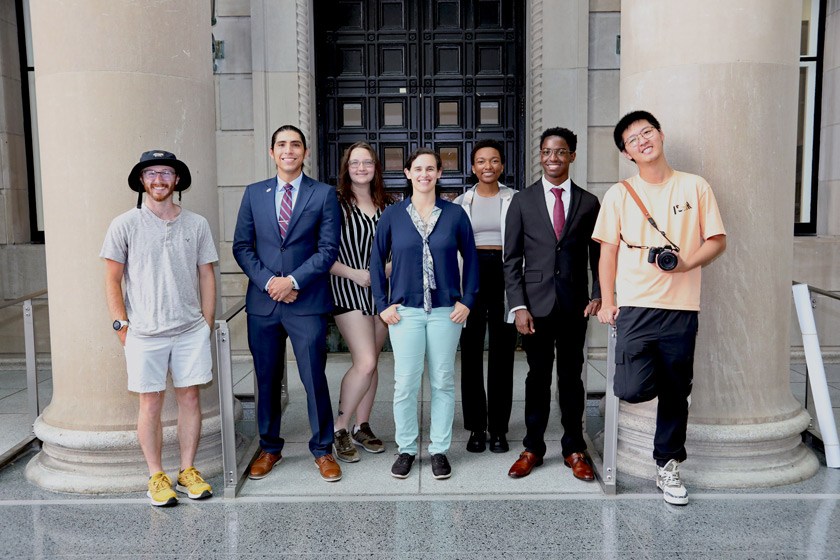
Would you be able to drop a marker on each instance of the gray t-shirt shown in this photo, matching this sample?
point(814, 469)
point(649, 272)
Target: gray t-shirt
point(161, 261)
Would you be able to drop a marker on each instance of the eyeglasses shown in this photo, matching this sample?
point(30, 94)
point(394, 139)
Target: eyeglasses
point(559, 152)
point(645, 133)
point(150, 174)
point(355, 164)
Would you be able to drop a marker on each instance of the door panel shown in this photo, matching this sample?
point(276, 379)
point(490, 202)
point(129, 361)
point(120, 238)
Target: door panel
point(401, 74)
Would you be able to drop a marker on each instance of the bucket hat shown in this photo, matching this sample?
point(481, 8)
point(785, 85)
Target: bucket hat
point(159, 157)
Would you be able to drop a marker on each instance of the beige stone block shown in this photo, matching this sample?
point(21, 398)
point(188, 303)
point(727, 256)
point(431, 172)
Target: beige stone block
point(11, 105)
point(9, 57)
point(695, 34)
point(233, 8)
point(831, 52)
point(830, 97)
point(7, 12)
point(829, 148)
point(234, 285)
point(236, 33)
point(13, 151)
point(235, 158)
point(816, 261)
point(564, 39)
point(17, 212)
point(603, 97)
point(5, 218)
point(604, 5)
point(604, 28)
point(227, 264)
point(597, 336)
point(229, 201)
point(603, 157)
point(598, 189)
point(274, 35)
point(828, 208)
point(570, 85)
point(23, 270)
point(236, 103)
point(275, 103)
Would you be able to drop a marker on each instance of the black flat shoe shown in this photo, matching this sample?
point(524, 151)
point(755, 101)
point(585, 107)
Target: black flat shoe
point(477, 442)
point(498, 443)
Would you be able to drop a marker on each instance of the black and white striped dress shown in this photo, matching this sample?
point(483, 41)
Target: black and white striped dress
point(357, 231)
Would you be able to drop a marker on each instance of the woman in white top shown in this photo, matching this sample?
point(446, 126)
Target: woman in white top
point(486, 204)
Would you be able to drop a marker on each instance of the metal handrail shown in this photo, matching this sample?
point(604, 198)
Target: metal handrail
point(31, 369)
point(820, 291)
point(233, 471)
point(22, 299)
point(815, 378)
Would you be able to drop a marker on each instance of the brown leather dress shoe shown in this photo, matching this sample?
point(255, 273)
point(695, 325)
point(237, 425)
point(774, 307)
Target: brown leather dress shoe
point(580, 466)
point(330, 471)
point(263, 464)
point(525, 464)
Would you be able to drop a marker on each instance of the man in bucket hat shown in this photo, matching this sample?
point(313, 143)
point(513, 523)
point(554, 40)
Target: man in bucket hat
point(163, 252)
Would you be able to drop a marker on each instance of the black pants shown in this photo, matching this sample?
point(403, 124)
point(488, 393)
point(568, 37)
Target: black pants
point(490, 411)
point(565, 332)
point(654, 357)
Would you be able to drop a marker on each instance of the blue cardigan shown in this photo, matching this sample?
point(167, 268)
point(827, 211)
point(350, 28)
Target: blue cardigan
point(396, 236)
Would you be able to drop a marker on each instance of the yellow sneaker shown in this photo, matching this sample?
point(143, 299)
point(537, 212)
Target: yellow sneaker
point(160, 490)
point(191, 484)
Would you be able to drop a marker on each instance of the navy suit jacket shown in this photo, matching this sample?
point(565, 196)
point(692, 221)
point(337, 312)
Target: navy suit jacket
point(542, 271)
point(307, 252)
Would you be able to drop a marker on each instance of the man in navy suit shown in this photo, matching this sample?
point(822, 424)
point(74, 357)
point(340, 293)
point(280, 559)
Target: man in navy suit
point(286, 240)
point(548, 248)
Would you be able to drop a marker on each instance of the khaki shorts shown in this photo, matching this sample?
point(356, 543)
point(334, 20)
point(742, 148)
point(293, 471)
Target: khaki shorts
point(149, 358)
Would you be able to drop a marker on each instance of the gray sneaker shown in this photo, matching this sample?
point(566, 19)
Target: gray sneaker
point(440, 466)
point(402, 466)
point(364, 436)
point(344, 448)
point(668, 480)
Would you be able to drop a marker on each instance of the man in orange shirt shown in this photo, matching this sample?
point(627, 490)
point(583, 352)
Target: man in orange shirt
point(652, 296)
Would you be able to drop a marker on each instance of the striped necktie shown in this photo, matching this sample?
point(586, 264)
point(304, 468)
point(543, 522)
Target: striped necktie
point(285, 210)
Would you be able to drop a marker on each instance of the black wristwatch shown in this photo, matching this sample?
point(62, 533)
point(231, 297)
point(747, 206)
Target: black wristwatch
point(118, 325)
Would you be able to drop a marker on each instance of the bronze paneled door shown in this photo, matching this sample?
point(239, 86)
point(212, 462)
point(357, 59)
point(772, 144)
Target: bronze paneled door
point(401, 74)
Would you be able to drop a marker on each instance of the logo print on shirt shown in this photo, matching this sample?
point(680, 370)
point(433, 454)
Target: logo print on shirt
point(680, 208)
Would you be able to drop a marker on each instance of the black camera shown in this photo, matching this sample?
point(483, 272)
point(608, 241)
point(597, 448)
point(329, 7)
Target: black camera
point(664, 257)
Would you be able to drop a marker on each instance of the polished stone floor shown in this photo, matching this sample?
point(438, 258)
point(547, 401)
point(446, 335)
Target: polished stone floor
point(479, 513)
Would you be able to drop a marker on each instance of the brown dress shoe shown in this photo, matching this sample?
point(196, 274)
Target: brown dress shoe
point(525, 464)
point(580, 466)
point(330, 471)
point(263, 464)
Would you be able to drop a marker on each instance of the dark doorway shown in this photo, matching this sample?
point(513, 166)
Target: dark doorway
point(400, 74)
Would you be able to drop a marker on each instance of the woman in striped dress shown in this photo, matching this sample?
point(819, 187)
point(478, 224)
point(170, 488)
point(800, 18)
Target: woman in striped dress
point(361, 193)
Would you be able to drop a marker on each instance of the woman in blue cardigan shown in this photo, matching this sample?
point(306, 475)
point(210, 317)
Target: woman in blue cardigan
point(427, 307)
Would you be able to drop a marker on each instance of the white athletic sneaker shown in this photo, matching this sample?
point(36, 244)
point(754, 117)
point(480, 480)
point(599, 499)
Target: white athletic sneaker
point(668, 480)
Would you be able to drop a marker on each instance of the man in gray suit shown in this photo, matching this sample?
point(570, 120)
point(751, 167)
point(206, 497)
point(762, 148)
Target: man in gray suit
point(548, 248)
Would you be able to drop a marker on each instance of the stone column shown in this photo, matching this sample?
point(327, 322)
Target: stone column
point(113, 79)
point(722, 79)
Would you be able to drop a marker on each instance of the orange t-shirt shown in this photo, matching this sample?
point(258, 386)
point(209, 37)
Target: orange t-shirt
point(685, 208)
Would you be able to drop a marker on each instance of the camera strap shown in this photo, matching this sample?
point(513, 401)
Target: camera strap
point(646, 214)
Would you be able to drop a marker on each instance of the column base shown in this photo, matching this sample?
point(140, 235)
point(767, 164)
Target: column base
point(110, 462)
point(721, 455)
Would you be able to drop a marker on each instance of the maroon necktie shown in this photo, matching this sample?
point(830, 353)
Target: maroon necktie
point(285, 210)
point(559, 212)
